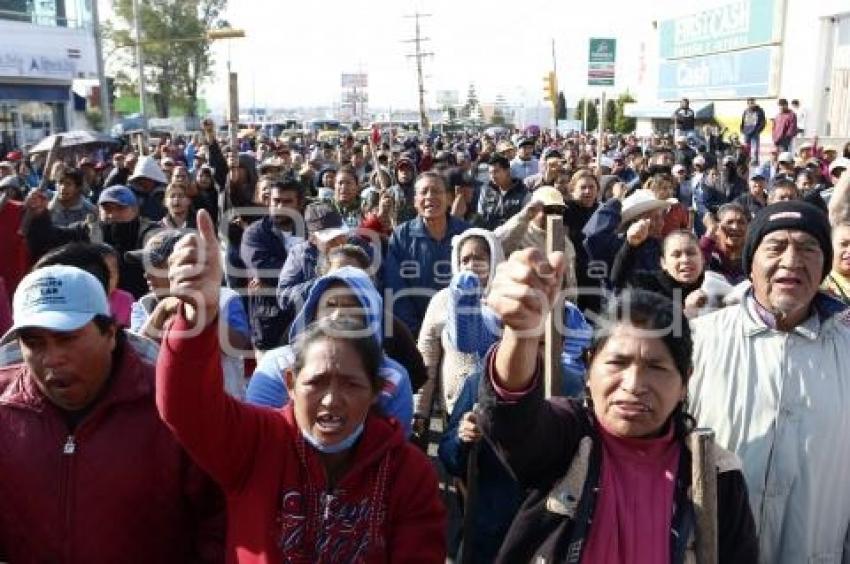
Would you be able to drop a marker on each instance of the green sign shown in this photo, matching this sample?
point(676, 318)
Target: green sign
point(728, 27)
point(601, 61)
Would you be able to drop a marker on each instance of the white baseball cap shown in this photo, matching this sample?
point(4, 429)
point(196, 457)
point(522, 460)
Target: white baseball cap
point(57, 298)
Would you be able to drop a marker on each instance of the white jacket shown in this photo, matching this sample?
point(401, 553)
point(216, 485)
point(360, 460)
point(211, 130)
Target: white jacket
point(781, 402)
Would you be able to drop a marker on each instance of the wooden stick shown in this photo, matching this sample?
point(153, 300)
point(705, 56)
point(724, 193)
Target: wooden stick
point(26, 219)
point(470, 501)
point(704, 494)
point(555, 241)
point(48, 166)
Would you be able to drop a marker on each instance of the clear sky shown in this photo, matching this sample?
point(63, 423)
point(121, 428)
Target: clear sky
point(295, 51)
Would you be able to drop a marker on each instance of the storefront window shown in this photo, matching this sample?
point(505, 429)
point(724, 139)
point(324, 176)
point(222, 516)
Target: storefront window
point(36, 121)
point(9, 137)
point(27, 123)
point(61, 13)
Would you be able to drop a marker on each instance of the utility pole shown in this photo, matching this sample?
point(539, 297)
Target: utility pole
point(557, 98)
point(140, 63)
point(101, 72)
point(419, 55)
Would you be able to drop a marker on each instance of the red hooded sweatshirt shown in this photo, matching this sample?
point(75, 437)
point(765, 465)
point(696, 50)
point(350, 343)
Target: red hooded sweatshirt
point(386, 508)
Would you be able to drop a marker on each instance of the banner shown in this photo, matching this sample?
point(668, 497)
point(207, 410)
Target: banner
point(738, 74)
point(601, 62)
point(732, 26)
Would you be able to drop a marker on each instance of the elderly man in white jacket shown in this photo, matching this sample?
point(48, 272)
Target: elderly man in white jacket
point(772, 378)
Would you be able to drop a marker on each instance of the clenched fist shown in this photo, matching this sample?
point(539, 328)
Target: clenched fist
point(194, 272)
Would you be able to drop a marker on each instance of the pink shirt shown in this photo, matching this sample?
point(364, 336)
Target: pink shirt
point(120, 304)
point(634, 509)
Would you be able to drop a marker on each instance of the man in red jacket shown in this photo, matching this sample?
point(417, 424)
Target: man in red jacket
point(784, 126)
point(89, 472)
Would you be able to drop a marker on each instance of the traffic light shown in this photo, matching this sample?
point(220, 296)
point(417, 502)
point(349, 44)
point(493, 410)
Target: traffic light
point(550, 87)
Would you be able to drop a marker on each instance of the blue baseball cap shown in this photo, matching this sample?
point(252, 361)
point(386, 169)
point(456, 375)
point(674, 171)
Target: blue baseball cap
point(120, 195)
point(57, 298)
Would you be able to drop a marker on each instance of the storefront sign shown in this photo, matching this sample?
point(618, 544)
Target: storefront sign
point(735, 25)
point(739, 74)
point(601, 62)
point(28, 65)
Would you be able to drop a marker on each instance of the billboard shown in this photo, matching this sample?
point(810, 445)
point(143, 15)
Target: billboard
point(601, 61)
point(448, 98)
point(354, 80)
point(737, 74)
point(735, 25)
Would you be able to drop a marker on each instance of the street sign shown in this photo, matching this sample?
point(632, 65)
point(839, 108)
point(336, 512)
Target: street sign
point(601, 61)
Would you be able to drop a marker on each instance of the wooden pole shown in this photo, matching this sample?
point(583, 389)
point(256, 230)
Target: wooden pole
point(468, 554)
point(233, 109)
point(555, 241)
point(704, 494)
point(26, 219)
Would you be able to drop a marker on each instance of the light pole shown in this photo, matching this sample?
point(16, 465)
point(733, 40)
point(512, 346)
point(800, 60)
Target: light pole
point(212, 35)
point(101, 73)
point(140, 64)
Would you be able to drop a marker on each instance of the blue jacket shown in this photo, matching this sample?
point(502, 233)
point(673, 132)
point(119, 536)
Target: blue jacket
point(603, 241)
point(263, 251)
point(297, 275)
point(416, 267)
point(499, 495)
point(396, 398)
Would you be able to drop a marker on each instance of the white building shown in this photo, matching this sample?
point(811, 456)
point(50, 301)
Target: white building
point(718, 53)
point(45, 45)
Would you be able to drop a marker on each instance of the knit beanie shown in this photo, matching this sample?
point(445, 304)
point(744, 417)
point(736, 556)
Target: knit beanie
point(796, 215)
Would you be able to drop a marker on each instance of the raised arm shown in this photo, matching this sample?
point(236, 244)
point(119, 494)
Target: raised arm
point(221, 433)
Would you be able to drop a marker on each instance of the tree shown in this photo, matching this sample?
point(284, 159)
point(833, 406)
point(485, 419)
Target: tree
point(499, 106)
point(610, 114)
point(498, 116)
point(562, 107)
point(174, 67)
point(471, 102)
point(592, 115)
point(623, 124)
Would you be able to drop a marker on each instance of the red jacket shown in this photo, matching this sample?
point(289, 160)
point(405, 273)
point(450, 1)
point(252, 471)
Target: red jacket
point(386, 508)
point(784, 126)
point(119, 489)
point(14, 253)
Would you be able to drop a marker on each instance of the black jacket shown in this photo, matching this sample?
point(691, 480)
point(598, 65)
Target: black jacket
point(624, 273)
point(42, 236)
point(496, 207)
point(561, 466)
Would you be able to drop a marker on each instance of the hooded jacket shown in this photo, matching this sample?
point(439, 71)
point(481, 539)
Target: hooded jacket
point(403, 193)
point(417, 266)
point(150, 202)
point(454, 329)
point(119, 488)
point(396, 399)
point(280, 506)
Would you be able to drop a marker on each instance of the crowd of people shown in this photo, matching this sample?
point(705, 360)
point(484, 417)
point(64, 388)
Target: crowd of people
point(284, 350)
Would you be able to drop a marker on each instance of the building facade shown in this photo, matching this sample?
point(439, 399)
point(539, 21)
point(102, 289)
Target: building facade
point(46, 45)
point(721, 52)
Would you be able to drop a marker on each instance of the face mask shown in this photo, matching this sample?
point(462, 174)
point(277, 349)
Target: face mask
point(341, 446)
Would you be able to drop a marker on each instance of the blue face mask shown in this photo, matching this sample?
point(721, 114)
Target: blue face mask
point(341, 446)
